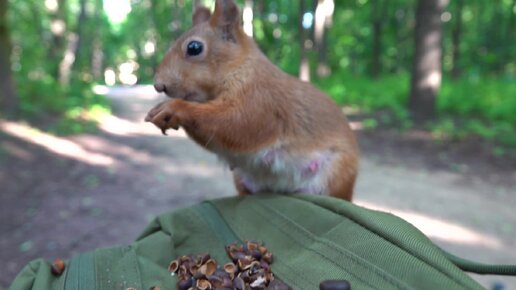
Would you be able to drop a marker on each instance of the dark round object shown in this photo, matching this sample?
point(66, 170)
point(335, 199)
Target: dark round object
point(194, 48)
point(335, 285)
point(184, 284)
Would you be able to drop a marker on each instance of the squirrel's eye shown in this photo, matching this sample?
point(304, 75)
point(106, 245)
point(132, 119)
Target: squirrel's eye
point(194, 48)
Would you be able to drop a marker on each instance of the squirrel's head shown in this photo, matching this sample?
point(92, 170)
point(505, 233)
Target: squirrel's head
point(198, 63)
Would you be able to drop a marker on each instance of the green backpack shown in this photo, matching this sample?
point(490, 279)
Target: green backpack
point(312, 238)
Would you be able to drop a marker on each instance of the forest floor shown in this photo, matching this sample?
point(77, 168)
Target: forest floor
point(65, 195)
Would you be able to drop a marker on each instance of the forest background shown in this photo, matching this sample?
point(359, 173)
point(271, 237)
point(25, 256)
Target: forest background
point(445, 66)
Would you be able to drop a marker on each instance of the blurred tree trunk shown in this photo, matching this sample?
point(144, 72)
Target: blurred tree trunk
point(378, 18)
point(58, 28)
point(427, 62)
point(260, 8)
point(8, 96)
point(36, 16)
point(247, 16)
point(154, 37)
point(323, 20)
point(195, 4)
point(456, 39)
point(509, 30)
point(304, 64)
point(176, 19)
point(399, 20)
point(97, 55)
point(80, 31)
point(73, 47)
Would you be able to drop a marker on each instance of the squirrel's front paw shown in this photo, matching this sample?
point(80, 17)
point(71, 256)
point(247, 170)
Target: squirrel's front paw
point(163, 116)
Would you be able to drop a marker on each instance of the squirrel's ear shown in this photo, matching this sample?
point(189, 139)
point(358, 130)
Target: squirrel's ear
point(201, 14)
point(226, 17)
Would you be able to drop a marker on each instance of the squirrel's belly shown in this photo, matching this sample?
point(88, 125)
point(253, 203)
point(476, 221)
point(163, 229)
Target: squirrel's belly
point(275, 170)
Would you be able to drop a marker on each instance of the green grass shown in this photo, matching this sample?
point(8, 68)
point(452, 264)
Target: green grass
point(482, 107)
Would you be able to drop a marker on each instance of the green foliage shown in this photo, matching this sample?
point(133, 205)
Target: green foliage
point(37, 56)
point(485, 98)
point(481, 102)
point(389, 92)
point(484, 108)
point(82, 111)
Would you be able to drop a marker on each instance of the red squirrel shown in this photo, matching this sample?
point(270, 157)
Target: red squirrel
point(276, 133)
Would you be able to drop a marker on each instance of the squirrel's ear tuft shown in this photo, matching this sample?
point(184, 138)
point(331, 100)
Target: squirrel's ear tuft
point(201, 14)
point(226, 17)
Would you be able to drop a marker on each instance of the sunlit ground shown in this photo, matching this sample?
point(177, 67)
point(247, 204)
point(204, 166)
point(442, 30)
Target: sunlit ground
point(439, 229)
point(57, 145)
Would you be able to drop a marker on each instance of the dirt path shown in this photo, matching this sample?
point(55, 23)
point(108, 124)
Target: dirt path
point(61, 196)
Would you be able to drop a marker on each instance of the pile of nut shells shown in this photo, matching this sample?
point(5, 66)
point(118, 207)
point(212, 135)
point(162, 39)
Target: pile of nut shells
point(250, 269)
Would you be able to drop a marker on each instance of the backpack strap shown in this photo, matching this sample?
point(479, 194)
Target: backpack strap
point(481, 268)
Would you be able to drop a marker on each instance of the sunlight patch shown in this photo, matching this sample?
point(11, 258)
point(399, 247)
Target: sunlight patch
point(55, 144)
point(356, 126)
point(440, 229)
point(117, 10)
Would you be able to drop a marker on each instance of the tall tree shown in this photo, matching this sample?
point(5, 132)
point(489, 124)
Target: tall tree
point(456, 39)
point(8, 96)
point(323, 20)
point(177, 19)
point(58, 28)
point(378, 15)
point(427, 62)
point(304, 64)
point(96, 52)
point(75, 40)
point(247, 16)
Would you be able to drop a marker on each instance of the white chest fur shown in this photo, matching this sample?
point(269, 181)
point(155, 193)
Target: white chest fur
point(277, 170)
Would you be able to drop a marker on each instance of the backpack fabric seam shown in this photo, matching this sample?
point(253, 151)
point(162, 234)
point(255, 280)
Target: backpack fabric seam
point(364, 264)
point(343, 213)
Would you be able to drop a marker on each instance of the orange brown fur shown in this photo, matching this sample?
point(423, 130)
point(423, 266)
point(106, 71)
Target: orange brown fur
point(234, 102)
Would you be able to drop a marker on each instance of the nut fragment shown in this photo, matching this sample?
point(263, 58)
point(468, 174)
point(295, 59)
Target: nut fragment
point(256, 254)
point(239, 283)
point(155, 288)
point(216, 281)
point(173, 267)
point(208, 268)
point(250, 270)
point(267, 257)
point(259, 282)
point(184, 284)
point(244, 263)
point(57, 267)
point(231, 269)
point(251, 246)
point(203, 284)
point(203, 258)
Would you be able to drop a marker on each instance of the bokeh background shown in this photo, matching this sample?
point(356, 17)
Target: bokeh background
point(428, 85)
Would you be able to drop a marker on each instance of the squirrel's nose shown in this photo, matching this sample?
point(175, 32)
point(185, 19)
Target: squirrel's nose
point(159, 87)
